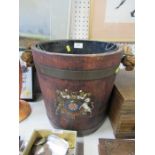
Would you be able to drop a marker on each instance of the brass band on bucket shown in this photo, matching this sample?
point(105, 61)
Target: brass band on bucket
point(76, 74)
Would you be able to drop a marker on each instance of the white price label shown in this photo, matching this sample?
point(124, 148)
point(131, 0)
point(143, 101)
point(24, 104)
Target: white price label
point(78, 45)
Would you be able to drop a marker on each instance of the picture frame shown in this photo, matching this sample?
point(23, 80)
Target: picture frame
point(106, 24)
point(27, 92)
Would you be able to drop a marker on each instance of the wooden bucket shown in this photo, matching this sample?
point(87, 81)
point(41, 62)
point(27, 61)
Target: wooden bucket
point(76, 79)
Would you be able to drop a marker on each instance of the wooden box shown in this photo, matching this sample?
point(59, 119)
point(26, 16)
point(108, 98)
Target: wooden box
point(122, 105)
point(116, 147)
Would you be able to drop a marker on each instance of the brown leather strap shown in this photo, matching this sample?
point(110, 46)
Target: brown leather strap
point(76, 74)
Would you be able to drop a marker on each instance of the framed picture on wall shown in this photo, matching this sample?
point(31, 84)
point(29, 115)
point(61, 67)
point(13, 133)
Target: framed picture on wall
point(112, 20)
point(27, 92)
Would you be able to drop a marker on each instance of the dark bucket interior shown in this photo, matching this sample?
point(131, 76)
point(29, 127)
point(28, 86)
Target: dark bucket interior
point(77, 47)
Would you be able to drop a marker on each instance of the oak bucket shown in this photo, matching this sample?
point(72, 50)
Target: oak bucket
point(76, 79)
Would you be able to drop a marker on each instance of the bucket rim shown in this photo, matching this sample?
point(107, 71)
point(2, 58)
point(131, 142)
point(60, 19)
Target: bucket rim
point(110, 52)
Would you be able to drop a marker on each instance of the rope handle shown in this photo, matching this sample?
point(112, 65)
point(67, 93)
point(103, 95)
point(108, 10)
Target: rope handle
point(27, 57)
point(128, 59)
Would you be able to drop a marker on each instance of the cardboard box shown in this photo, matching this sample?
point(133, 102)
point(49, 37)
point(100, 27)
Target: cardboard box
point(68, 135)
